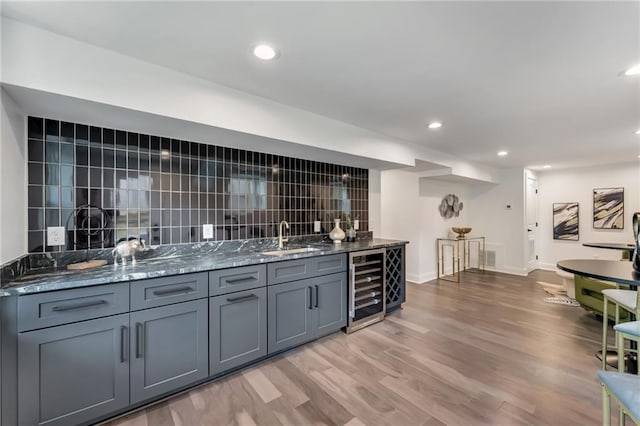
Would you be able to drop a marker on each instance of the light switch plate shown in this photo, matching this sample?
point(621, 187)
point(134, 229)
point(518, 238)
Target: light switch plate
point(207, 231)
point(356, 224)
point(55, 236)
point(316, 226)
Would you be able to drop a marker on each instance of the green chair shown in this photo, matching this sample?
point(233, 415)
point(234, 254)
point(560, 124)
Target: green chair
point(589, 295)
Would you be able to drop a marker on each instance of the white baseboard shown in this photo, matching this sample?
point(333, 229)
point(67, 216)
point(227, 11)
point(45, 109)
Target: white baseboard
point(509, 270)
point(421, 278)
point(547, 266)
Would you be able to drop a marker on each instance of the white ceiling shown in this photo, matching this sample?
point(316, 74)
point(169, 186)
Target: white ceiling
point(539, 79)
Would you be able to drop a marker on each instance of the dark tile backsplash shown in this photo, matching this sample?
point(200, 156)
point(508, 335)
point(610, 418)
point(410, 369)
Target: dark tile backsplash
point(105, 185)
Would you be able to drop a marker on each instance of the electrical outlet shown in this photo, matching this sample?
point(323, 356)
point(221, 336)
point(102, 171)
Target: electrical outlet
point(356, 224)
point(55, 236)
point(207, 231)
point(316, 226)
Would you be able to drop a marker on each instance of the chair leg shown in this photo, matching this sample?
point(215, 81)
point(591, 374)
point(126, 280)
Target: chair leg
point(606, 407)
point(620, 346)
point(605, 325)
point(620, 417)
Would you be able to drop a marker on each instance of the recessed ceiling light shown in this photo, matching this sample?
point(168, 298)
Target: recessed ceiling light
point(638, 132)
point(546, 166)
point(502, 153)
point(265, 52)
point(634, 70)
point(435, 125)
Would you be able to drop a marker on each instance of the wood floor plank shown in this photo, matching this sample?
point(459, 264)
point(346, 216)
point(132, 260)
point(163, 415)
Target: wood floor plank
point(487, 351)
point(292, 393)
point(261, 384)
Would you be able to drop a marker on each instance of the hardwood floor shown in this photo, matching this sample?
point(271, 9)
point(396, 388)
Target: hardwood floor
point(487, 351)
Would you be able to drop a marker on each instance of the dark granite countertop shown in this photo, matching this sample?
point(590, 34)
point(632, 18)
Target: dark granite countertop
point(195, 258)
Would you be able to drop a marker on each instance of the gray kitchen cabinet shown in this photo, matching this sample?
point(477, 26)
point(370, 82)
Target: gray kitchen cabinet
point(237, 329)
point(290, 314)
point(302, 310)
point(330, 303)
point(73, 373)
point(169, 348)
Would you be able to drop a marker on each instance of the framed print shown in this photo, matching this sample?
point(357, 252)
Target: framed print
point(565, 221)
point(608, 208)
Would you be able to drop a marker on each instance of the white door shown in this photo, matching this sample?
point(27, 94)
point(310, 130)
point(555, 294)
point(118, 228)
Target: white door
point(532, 223)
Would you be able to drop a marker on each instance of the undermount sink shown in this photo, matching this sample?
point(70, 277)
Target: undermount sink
point(285, 251)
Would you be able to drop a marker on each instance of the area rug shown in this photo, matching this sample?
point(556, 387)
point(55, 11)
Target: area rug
point(562, 300)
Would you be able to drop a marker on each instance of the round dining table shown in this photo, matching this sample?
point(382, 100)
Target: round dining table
point(600, 269)
point(613, 271)
point(626, 249)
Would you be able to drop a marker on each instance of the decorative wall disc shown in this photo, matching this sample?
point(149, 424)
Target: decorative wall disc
point(450, 206)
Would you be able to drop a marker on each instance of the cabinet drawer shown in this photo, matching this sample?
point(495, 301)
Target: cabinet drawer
point(289, 270)
point(66, 306)
point(229, 280)
point(324, 265)
point(167, 290)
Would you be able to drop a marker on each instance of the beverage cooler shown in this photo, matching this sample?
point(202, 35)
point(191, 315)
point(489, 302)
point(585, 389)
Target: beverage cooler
point(367, 288)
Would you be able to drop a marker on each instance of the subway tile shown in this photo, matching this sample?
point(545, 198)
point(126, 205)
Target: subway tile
point(82, 134)
point(52, 130)
point(169, 187)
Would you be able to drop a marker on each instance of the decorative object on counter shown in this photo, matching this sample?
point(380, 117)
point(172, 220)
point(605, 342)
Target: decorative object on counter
point(126, 249)
point(461, 231)
point(565, 221)
point(337, 234)
point(86, 265)
point(450, 206)
point(636, 240)
point(351, 232)
point(608, 208)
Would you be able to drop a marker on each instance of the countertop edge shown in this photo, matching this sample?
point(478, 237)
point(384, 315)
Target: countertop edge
point(110, 274)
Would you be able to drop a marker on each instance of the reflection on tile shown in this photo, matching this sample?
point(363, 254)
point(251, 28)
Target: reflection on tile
point(165, 189)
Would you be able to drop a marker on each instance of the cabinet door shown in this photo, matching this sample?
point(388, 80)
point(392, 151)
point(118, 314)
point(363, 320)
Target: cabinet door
point(169, 348)
point(237, 329)
point(290, 315)
point(330, 302)
point(73, 373)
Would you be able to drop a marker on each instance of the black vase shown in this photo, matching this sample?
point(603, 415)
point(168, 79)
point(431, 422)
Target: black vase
point(636, 240)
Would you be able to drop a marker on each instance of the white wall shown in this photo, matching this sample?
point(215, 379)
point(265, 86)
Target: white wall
point(435, 226)
point(504, 228)
point(576, 185)
point(375, 201)
point(13, 180)
point(400, 215)
point(410, 211)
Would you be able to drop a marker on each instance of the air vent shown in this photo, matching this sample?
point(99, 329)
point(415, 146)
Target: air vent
point(490, 257)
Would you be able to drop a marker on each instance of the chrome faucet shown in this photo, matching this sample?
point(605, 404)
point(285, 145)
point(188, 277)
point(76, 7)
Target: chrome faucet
point(281, 238)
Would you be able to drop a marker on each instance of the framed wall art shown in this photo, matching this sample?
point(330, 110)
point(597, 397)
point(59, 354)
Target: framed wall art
point(565, 221)
point(608, 208)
